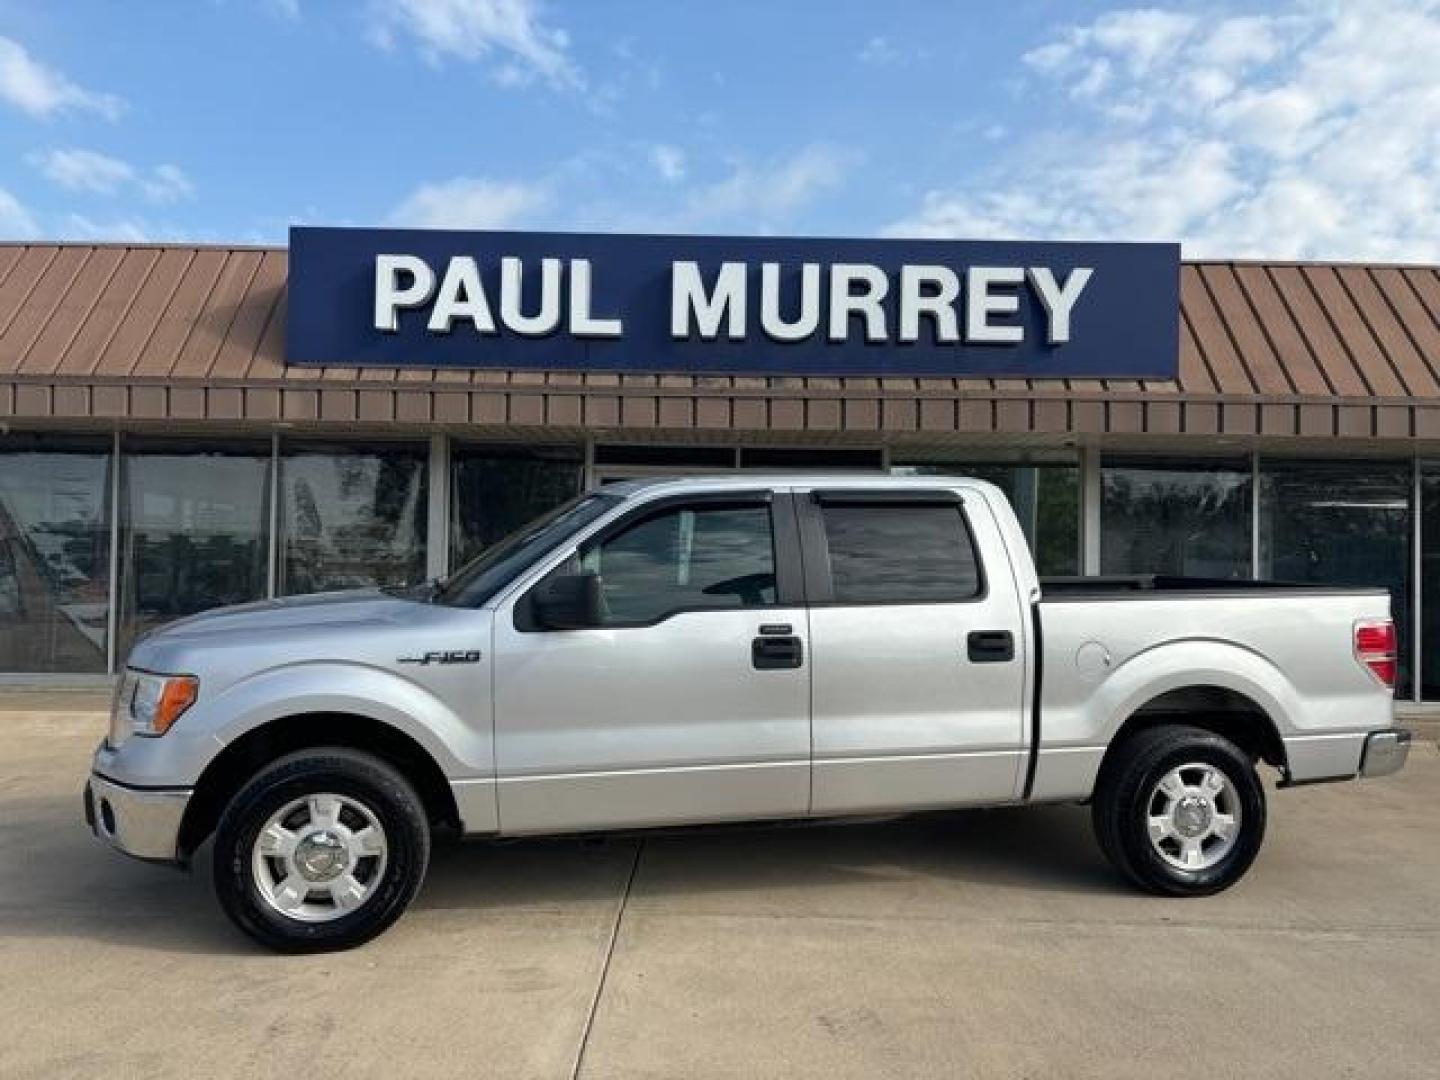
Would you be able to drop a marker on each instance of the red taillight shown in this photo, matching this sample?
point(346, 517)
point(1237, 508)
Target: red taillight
point(1375, 647)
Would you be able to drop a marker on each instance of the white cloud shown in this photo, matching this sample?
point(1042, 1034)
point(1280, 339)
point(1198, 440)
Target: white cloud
point(83, 170)
point(510, 32)
point(166, 184)
point(43, 92)
point(128, 229)
point(669, 162)
point(15, 220)
point(772, 190)
point(99, 174)
point(1304, 133)
point(879, 50)
point(471, 203)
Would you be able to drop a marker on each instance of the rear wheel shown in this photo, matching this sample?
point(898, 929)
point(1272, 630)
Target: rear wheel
point(321, 850)
point(1180, 811)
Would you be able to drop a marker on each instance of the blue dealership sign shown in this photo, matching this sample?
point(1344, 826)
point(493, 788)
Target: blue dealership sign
point(732, 305)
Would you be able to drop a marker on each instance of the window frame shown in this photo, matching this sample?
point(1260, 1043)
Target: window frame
point(819, 580)
point(784, 534)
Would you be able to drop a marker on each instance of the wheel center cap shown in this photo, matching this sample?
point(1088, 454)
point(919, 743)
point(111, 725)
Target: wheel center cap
point(321, 856)
point(1192, 816)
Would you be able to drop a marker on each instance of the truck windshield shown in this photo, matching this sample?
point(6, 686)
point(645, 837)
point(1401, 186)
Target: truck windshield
point(486, 574)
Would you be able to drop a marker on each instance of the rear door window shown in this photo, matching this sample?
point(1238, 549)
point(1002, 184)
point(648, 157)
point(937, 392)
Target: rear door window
point(900, 554)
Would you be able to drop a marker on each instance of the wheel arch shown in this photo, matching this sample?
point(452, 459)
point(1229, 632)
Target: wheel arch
point(228, 771)
point(1221, 710)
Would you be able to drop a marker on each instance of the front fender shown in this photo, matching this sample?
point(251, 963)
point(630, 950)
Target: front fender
point(460, 749)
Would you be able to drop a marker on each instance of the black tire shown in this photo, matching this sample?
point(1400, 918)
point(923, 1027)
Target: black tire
point(382, 790)
point(1124, 799)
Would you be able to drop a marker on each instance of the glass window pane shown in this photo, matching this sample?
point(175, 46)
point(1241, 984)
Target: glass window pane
point(1046, 499)
point(900, 554)
point(686, 559)
point(1430, 582)
point(810, 457)
point(1183, 518)
point(1340, 523)
point(352, 516)
point(698, 457)
point(54, 555)
point(497, 490)
point(194, 532)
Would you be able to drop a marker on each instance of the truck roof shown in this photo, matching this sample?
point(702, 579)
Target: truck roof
point(741, 481)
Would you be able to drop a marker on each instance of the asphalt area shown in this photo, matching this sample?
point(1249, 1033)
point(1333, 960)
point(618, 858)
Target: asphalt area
point(992, 943)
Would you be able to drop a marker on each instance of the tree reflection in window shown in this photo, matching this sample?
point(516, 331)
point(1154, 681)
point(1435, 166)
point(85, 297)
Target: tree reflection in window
point(352, 517)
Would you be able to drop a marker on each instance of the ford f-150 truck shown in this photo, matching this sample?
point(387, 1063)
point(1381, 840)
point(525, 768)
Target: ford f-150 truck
point(721, 649)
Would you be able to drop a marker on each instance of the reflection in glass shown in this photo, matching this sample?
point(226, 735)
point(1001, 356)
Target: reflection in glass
point(685, 560)
point(1046, 499)
point(1340, 523)
point(1189, 519)
point(1430, 581)
point(900, 554)
point(54, 555)
point(194, 527)
point(495, 490)
point(351, 517)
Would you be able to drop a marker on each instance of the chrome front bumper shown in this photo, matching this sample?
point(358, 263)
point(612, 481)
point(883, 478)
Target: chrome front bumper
point(1385, 752)
point(144, 823)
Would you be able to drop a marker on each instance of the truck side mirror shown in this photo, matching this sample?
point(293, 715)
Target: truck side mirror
point(568, 602)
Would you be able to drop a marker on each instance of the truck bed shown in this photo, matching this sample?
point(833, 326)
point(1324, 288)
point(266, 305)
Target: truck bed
point(1279, 650)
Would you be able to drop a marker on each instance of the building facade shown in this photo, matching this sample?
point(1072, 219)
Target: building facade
point(160, 455)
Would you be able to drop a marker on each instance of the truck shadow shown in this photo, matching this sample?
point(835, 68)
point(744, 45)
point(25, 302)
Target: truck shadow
point(59, 882)
point(1043, 849)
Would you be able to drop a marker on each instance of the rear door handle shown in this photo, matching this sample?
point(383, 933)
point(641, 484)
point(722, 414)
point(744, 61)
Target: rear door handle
point(770, 653)
point(990, 646)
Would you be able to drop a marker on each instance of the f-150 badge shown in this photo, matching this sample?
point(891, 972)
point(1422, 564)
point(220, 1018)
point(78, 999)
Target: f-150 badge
point(453, 656)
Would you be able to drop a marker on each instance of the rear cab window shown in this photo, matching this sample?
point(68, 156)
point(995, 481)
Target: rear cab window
point(898, 552)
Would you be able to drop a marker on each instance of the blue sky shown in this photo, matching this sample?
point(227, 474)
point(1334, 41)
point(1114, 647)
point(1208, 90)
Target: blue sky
point(1297, 129)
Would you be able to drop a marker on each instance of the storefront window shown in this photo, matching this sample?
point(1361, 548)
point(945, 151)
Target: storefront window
point(351, 516)
point(495, 490)
point(1340, 523)
point(1430, 581)
point(1046, 499)
point(54, 555)
point(195, 524)
point(1185, 518)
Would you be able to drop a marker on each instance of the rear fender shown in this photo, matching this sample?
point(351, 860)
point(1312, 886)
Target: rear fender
point(1191, 662)
point(1075, 737)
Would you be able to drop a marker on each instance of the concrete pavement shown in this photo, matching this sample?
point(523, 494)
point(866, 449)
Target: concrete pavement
point(985, 944)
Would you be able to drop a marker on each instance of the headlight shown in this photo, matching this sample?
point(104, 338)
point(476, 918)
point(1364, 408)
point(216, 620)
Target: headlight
point(157, 701)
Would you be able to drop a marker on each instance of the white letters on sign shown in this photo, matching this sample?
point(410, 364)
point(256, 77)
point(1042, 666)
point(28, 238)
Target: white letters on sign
point(977, 305)
point(691, 305)
point(391, 294)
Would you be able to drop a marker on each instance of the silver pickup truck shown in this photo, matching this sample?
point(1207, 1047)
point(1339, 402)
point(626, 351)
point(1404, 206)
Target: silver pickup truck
point(747, 647)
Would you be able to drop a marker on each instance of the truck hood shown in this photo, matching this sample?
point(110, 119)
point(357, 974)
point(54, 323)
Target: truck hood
point(366, 627)
point(353, 608)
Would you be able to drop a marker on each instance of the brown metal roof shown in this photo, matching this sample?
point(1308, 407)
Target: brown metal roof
point(151, 332)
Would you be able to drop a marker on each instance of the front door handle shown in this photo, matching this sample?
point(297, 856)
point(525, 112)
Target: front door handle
point(990, 646)
point(770, 653)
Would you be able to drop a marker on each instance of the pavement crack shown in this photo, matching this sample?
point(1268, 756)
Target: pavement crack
point(605, 966)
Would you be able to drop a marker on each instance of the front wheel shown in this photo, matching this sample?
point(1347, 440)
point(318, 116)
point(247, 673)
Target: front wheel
point(321, 850)
point(1180, 811)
